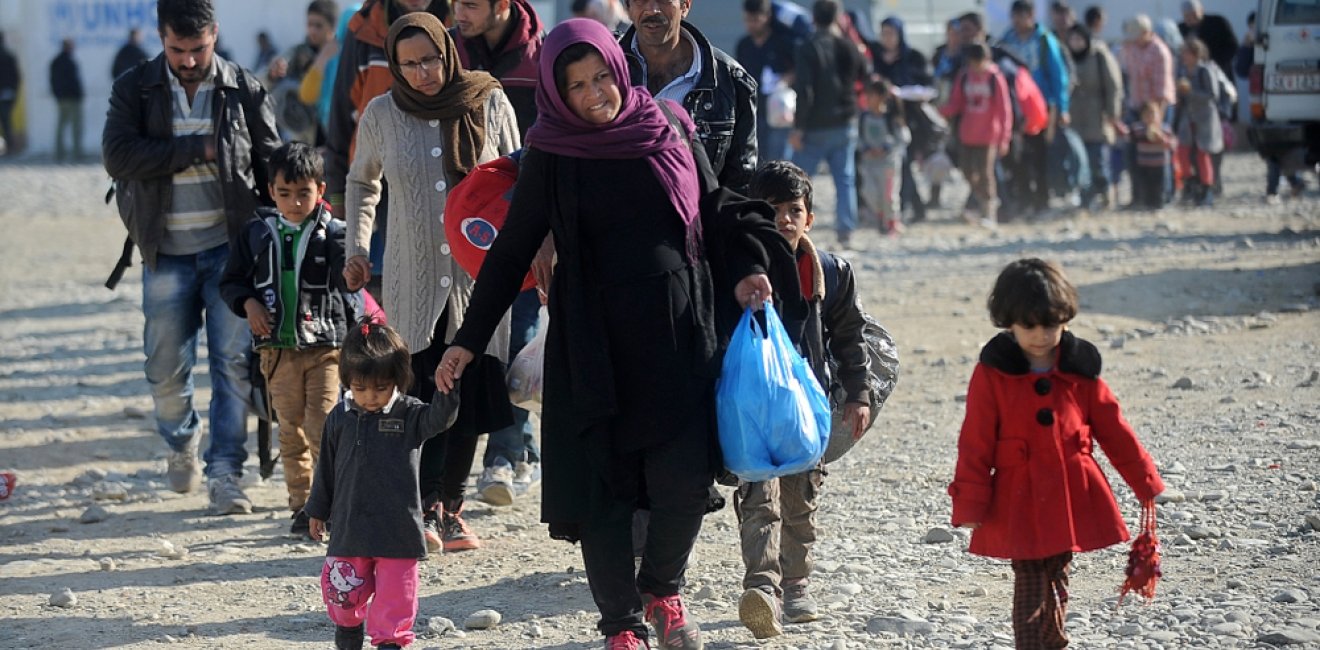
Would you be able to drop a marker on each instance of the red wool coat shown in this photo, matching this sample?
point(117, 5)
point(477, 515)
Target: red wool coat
point(1025, 468)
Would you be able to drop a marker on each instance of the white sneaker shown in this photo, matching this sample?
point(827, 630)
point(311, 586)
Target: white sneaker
point(227, 497)
point(496, 483)
point(526, 476)
point(1273, 199)
point(182, 470)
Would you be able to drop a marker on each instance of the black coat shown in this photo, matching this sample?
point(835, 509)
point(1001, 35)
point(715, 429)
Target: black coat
point(632, 350)
point(828, 69)
point(128, 56)
point(911, 68)
point(1217, 33)
point(65, 79)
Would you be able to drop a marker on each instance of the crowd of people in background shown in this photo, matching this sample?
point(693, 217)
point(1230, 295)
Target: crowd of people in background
point(1050, 123)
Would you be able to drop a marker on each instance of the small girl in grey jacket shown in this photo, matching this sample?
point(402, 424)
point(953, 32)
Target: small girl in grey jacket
point(883, 139)
point(366, 487)
point(1200, 135)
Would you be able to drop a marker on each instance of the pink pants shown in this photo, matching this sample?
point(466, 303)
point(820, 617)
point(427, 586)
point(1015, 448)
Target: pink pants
point(348, 584)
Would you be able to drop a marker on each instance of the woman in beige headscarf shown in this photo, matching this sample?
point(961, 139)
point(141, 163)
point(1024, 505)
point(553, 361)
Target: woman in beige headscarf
point(435, 124)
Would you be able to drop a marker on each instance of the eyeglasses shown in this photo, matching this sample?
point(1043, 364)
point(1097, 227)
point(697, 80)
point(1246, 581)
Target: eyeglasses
point(425, 65)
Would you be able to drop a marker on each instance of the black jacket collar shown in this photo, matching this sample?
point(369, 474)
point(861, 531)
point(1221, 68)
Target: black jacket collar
point(1075, 356)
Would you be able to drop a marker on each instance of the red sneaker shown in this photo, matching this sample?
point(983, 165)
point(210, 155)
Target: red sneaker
point(455, 534)
point(626, 640)
point(668, 617)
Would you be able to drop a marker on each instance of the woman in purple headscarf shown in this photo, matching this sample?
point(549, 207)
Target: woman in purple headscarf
point(631, 352)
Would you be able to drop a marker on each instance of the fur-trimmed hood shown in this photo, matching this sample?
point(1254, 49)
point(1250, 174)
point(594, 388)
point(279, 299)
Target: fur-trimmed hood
point(1074, 356)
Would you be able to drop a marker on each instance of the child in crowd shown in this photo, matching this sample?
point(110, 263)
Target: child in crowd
point(1200, 135)
point(1153, 145)
point(884, 138)
point(366, 487)
point(1026, 480)
point(985, 128)
point(778, 517)
point(285, 275)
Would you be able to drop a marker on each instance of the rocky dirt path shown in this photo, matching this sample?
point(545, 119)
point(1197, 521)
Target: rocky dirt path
point(1207, 319)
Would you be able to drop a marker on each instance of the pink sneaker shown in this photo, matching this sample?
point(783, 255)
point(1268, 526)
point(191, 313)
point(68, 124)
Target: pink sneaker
point(625, 640)
point(668, 617)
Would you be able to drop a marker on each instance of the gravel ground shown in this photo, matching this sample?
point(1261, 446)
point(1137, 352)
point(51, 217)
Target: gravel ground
point(1207, 318)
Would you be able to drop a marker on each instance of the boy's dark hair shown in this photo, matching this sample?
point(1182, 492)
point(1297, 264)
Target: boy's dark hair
point(976, 52)
point(780, 181)
point(1032, 292)
point(374, 351)
point(756, 6)
point(297, 161)
point(1093, 15)
point(326, 9)
point(824, 13)
point(1022, 7)
point(186, 18)
point(1060, 7)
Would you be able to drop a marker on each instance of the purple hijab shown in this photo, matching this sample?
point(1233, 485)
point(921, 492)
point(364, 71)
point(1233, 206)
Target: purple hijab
point(640, 129)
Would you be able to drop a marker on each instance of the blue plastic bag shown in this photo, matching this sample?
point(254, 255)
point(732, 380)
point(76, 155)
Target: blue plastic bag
point(773, 416)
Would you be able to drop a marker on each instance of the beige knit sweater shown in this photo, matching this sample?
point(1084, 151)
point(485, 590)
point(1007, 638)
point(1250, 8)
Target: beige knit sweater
point(420, 276)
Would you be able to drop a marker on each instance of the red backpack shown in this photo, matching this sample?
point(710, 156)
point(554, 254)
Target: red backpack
point(1035, 114)
point(475, 211)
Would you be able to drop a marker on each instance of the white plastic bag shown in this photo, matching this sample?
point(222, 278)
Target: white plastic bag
point(781, 106)
point(526, 374)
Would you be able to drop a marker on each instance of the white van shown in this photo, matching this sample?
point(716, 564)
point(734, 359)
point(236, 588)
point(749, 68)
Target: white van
point(1285, 80)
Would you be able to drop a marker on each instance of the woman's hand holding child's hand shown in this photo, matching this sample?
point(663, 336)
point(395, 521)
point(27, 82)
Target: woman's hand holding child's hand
point(257, 317)
point(357, 271)
point(451, 367)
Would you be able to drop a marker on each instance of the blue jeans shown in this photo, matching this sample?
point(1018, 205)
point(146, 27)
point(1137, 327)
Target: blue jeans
point(516, 442)
point(838, 147)
point(179, 296)
point(1097, 156)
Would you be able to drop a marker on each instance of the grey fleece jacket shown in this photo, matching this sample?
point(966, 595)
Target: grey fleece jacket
point(366, 479)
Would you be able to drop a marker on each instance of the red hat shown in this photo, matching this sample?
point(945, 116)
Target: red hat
point(475, 211)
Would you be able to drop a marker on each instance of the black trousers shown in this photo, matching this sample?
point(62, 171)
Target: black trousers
point(1030, 190)
point(674, 478)
point(1147, 187)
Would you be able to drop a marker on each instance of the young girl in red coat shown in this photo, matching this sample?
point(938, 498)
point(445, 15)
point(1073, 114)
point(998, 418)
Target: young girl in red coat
point(1026, 480)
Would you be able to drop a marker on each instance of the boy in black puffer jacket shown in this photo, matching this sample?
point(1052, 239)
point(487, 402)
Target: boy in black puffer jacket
point(777, 517)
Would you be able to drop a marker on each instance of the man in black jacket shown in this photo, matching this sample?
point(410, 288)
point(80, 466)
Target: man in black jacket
point(825, 127)
point(66, 85)
point(673, 59)
point(1214, 30)
point(129, 55)
point(186, 183)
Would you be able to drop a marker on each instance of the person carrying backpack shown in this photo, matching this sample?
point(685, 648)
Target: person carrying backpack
point(985, 127)
point(1039, 50)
